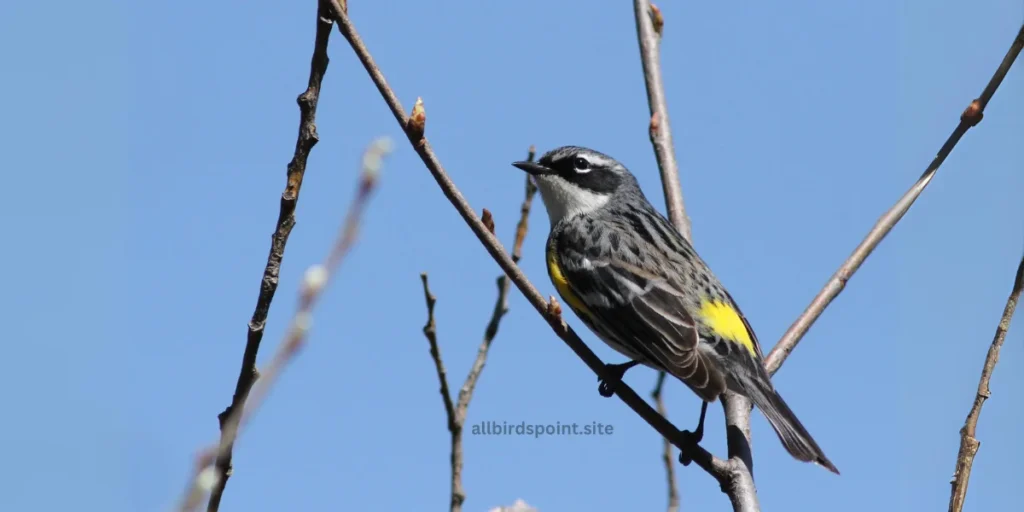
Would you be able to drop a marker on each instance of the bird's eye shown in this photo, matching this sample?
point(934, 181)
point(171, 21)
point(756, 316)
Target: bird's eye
point(581, 164)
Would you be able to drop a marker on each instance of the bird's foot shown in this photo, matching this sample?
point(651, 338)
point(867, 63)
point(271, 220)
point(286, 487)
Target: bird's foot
point(615, 372)
point(692, 439)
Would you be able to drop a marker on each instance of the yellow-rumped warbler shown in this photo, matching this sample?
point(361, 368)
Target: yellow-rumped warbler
point(641, 287)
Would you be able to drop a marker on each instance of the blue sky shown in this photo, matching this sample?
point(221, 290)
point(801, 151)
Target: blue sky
point(146, 147)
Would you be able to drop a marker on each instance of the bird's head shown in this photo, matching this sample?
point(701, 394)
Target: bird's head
point(574, 180)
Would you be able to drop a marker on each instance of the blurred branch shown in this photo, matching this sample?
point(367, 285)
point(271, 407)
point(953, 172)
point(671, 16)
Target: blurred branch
point(968, 443)
point(457, 411)
point(307, 138)
point(666, 448)
point(724, 471)
point(970, 117)
point(518, 506)
point(649, 28)
point(207, 476)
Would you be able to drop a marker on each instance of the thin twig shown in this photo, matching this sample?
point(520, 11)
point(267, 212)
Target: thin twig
point(430, 331)
point(970, 117)
point(524, 213)
point(723, 471)
point(206, 476)
point(666, 448)
point(458, 495)
point(660, 131)
point(307, 138)
point(501, 304)
point(968, 443)
point(457, 412)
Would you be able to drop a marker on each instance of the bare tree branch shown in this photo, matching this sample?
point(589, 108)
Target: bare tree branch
point(457, 412)
point(524, 216)
point(721, 470)
point(741, 491)
point(970, 117)
point(207, 476)
point(430, 331)
point(307, 138)
point(666, 448)
point(455, 419)
point(968, 443)
point(647, 17)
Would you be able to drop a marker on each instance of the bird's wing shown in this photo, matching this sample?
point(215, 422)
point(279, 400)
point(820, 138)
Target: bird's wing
point(645, 312)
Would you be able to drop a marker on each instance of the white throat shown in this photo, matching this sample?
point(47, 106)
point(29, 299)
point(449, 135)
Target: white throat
point(563, 199)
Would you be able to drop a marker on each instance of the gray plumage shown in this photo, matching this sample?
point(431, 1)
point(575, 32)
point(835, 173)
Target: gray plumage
point(641, 287)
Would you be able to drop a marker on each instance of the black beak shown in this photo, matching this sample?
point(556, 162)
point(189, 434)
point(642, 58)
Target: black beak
point(533, 168)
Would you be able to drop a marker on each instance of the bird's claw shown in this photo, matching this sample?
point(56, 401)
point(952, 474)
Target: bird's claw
point(688, 439)
point(615, 372)
point(606, 389)
point(692, 439)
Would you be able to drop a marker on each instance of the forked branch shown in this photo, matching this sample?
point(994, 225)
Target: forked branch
point(456, 410)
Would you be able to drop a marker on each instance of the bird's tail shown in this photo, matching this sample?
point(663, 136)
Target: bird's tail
point(795, 438)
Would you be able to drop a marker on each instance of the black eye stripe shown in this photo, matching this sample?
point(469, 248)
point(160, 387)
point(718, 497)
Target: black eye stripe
point(598, 180)
point(595, 178)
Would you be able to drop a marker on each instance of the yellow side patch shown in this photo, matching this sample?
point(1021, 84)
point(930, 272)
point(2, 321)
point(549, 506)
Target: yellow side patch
point(562, 284)
point(726, 322)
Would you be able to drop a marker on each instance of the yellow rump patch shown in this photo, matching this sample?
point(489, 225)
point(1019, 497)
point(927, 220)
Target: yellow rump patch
point(562, 284)
point(726, 322)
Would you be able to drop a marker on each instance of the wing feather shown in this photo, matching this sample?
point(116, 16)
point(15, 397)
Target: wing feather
point(645, 312)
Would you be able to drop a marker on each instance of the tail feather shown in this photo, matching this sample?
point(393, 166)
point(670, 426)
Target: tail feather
point(795, 438)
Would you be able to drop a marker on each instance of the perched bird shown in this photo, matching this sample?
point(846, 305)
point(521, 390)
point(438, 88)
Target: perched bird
point(641, 287)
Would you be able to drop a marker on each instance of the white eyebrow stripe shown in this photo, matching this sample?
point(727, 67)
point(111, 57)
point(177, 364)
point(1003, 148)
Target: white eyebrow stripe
point(593, 159)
